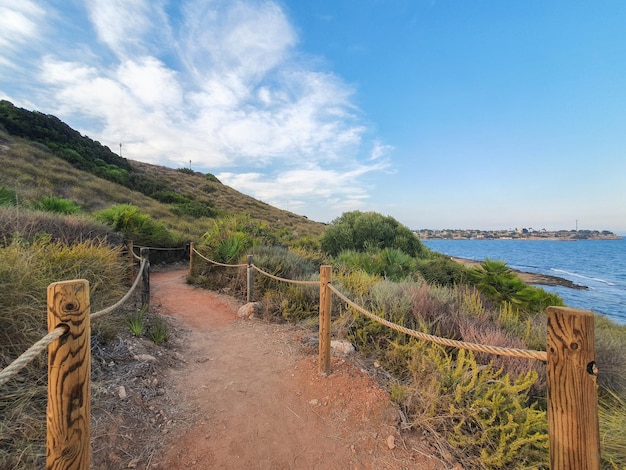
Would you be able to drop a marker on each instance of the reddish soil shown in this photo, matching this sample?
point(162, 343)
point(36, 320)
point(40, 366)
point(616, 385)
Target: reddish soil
point(254, 398)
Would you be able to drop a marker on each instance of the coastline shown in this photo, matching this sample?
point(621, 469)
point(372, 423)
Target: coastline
point(528, 278)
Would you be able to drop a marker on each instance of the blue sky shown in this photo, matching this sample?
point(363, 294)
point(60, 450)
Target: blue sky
point(443, 114)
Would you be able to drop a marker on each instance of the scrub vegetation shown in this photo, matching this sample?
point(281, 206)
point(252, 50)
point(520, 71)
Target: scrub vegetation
point(67, 205)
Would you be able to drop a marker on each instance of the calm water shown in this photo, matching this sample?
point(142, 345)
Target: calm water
point(598, 264)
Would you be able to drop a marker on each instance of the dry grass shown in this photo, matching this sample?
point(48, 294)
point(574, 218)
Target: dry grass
point(34, 173)
point(26, 269)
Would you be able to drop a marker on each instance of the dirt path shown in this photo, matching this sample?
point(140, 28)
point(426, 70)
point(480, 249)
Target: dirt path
point(256, 399)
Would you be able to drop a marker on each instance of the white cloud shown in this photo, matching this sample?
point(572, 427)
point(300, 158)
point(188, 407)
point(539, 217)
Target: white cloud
point(222, 85)
point(121, 24)
point(19, 22)
point(380, 150)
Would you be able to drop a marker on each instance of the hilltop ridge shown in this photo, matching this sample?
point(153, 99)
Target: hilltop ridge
point(42, 156)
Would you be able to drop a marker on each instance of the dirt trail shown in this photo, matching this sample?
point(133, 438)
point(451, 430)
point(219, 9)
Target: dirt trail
point(257, 401)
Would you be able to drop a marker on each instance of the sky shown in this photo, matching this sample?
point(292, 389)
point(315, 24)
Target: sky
point(459, 114)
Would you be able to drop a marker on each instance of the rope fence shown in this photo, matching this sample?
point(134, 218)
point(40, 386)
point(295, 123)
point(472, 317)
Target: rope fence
point(31, 353)
point(500, 351)
point(570, 364)
point(573, 424)
point(509, 352)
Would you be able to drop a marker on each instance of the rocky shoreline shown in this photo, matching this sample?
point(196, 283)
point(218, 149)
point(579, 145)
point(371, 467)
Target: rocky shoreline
point(529, 278)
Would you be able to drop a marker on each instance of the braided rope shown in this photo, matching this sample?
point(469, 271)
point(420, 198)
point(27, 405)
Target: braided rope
point(510, 352)
point(116, 305)
point(151, 248)
point(40, 345)
point(217, 263)
point(289, 281)
point(30, 354)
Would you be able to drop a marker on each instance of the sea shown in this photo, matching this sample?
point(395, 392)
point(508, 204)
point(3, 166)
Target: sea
point(600, 265)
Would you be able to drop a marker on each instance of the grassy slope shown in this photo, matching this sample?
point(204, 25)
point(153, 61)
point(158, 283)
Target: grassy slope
point(33, 172)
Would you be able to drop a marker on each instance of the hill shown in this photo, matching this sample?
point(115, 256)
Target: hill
point(41, 156)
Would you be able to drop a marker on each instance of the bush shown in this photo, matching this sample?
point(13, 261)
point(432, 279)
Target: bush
point(137, 226)
point(484, 414)
point(230, 237)
point(441, 270)
point(498, 282)
point(194, 209)
point(361, 231)
point(57, 205)
point(8, 197)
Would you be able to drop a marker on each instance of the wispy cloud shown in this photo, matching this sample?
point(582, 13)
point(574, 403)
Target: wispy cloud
point(220, 83)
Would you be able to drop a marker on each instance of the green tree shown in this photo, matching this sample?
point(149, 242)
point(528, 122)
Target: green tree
point(363, 231)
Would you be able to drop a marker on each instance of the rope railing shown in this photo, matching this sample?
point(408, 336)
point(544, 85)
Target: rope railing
point(282, 279)
point(217, 263)
point(569, 359)
point(152, 248)
point(31, 353)
point(497, 350)
point(120, 302)
point(509, 352)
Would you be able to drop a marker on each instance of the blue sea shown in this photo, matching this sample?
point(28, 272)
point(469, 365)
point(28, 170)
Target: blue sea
point(598, 264)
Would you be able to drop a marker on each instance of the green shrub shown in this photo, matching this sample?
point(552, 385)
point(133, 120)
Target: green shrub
point(8, 197)
point(194, 209)
point(158, 331)
point(139, 227)
point(484, 414)
point(136, 322)
point(169, 196)
point(497, 281)
point(363, 231)
point(441, 270)
point(57, 205)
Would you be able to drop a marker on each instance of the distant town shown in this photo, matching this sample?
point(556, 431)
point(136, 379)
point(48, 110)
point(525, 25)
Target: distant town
point(516, 234)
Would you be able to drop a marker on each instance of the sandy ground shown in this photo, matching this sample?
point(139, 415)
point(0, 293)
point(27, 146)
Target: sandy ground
point(253, 397)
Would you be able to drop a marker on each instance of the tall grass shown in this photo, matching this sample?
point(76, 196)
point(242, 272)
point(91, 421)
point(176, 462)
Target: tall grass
point(26, 269)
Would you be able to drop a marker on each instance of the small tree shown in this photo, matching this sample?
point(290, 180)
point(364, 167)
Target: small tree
point(363, 231)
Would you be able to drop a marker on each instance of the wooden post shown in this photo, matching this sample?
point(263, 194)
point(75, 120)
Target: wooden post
point(250, 276)
point(572, 390)
point(325, 307)
point(191, 248)
point(69, 367)
point(131, 261)
point(145, 277)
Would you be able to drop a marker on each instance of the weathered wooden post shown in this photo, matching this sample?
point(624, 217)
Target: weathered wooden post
point(131, 261)
point(145, 277)
point(250, 277)
point(325, 308)
point(572, 390)
point(69, 366)
point(191, 248)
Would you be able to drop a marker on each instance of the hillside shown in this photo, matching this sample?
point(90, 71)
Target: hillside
point(41, 156)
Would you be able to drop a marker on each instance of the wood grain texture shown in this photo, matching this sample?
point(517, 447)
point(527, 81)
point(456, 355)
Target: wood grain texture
point(572, 390)
point(325, 308)
point(69, 369)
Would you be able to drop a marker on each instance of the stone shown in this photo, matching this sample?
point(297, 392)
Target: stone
point(145, 357)
point(250, 310)
point(121, 392)
point(341, 347)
